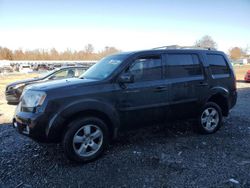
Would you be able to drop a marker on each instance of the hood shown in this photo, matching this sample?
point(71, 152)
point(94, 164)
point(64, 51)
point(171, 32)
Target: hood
point(26, 81)
point(56, 84)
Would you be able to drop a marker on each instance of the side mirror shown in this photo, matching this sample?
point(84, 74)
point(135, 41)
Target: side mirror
point(126, 78)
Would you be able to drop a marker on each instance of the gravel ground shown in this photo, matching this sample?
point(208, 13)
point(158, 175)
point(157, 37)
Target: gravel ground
point(172, 156)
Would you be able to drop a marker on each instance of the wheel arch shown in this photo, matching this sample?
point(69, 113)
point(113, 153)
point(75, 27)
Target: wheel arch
point(220, 97)
point(106, 112)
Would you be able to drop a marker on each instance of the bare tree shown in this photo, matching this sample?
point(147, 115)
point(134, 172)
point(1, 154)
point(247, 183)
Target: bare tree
point(18, 55)
point(108, 51)
point(236, 53)
point(206, 42)
point(89, 48)
point(246, 50)
point(52, 54)
point(6, 54)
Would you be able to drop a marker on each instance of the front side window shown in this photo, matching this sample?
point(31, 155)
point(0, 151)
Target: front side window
point(79, 71)
point(60, 74)
point(146, 68)
point(182, 65)
point(217, 64)
point(66, 73)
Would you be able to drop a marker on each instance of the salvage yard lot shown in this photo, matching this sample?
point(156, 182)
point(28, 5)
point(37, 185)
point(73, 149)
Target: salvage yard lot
point(172, 155)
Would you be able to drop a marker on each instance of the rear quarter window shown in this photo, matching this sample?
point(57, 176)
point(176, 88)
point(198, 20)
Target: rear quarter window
point(182, 65)
point(217, 64)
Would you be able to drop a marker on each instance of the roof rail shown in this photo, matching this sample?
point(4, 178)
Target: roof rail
point(183, 47)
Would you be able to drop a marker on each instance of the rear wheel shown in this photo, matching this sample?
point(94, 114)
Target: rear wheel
point(85, 139)
point(210, 118)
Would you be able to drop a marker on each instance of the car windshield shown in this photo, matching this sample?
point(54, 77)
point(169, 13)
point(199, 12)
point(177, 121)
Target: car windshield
point(45, 74)
point(104, 67)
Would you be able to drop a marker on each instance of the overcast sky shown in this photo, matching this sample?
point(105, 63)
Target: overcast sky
point(127, 25)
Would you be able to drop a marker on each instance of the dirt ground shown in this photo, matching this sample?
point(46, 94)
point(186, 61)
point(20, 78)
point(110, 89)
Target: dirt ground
point(240, 71)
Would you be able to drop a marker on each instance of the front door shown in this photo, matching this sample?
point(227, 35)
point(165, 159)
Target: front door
point(144, 100)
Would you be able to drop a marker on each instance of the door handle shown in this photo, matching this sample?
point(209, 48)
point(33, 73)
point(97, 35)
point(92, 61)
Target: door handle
point(203, 84)
point(161, 88)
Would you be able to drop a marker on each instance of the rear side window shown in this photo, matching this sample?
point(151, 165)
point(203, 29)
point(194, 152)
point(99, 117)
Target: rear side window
point(146, 68)
point(182, 65)
point(218, 64)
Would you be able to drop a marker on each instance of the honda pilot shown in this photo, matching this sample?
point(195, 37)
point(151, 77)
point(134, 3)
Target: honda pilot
point(124, 90)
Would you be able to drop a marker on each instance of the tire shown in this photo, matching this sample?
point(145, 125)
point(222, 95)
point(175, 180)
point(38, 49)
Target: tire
point(85, 139)
point(210, 118)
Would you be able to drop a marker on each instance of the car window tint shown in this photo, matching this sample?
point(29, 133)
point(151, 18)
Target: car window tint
point(146, 68)
point(217, 64)
point(182, 65)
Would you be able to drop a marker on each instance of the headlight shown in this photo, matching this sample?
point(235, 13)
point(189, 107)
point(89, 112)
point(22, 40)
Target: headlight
point(18, 86)
point(15, 87)
point(31, 99)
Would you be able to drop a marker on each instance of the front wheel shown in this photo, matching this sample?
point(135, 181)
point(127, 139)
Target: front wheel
point(85, 139)
point(210, 118)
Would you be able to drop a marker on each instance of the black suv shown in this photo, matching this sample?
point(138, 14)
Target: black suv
point(125, 90)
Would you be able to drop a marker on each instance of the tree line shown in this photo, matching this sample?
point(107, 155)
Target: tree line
point(40, 54)
point(88, 52)
point(234, 53)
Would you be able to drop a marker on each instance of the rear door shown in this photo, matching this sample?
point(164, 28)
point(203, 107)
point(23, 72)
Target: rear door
point(188, 83)
point(222, 75)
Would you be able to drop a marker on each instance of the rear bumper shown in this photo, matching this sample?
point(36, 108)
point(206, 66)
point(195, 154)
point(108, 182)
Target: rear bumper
point(233, 99)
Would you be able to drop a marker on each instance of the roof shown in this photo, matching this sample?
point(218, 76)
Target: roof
point(173, 48)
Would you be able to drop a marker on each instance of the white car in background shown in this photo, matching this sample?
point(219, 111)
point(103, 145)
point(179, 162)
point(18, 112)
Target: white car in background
point(25, 68)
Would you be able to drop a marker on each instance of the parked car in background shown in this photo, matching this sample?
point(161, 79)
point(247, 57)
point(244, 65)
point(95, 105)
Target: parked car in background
point(125, 90)
point(55, 66)
point(25, 68)
point(247, 76)
point(14, 90)
point(71, 64)
point(6, 69)
point(42, 67)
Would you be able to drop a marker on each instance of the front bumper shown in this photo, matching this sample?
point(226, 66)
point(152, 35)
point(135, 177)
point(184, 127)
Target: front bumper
point(233, 99)
point(12, 97)
point(31, 125)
